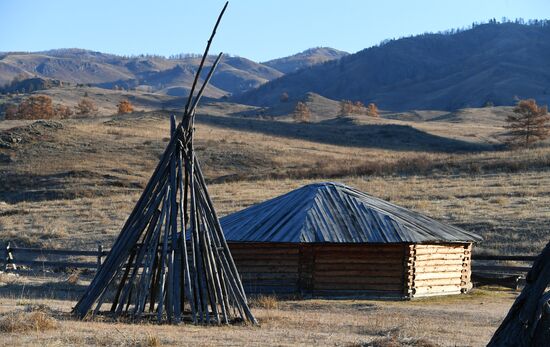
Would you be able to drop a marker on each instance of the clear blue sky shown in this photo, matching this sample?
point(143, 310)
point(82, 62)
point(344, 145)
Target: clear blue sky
point(256, 29)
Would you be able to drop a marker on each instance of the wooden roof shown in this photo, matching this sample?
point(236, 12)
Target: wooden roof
point(333, 212)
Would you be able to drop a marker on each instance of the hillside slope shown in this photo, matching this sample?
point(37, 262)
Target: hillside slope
point(307, 58)
point(151, 73)
point(494, 63)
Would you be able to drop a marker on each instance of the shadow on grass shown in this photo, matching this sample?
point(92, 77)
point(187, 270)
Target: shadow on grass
point(38, 187)
point(60, 290)
point(382, 136)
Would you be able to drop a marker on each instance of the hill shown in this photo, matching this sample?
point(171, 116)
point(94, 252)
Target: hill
point(307, 58)
point(490, 63)
point(321, 108)
point(170, 76)
point(150, 73)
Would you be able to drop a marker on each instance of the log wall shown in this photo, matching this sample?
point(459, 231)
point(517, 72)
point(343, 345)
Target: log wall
point(438, 269)
point(359, 270)
point(321, 270)
point(267, 268)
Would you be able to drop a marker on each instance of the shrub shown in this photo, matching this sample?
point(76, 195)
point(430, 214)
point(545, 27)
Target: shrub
point(125, 107)
point(16, 322)
point(63, 111)
point(85, 106)
point(265, 301)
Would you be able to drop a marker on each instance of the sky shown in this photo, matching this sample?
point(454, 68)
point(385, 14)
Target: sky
point(256, 29)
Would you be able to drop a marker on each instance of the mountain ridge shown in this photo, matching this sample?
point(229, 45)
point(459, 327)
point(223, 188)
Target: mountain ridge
point(234, 75)
point(309, 57)
point(488, 64)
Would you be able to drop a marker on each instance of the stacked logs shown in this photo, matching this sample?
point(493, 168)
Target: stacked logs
point(171, 260)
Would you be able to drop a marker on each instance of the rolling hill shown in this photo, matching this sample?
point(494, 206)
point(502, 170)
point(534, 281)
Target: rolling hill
point(172, 76)
point(304, 59)
point(150, 73)
point(490, 63)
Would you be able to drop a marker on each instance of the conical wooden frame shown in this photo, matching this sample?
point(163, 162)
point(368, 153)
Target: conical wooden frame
point(171, 261)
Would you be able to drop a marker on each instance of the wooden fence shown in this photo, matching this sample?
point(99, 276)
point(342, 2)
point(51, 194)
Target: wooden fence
point(503, 270)
point(507, 270)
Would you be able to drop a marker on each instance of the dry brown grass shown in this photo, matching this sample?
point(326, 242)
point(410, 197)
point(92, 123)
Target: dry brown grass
point(152, 341)
point(394, 340)
point(268, 302)
point(292, 323)
point(20, 322)
point(73, 187)
point(73, 277)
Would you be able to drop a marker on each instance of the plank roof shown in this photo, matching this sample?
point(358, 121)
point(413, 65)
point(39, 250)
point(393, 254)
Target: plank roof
point(335, 213)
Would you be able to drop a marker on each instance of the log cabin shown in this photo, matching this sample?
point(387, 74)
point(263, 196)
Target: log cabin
point(331, 240)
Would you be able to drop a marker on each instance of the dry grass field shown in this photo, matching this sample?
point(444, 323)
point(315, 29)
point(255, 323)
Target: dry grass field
point(36, 311)
point(71, 183)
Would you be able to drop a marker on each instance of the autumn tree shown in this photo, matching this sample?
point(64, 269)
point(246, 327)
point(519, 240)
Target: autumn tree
point(36, 107)
point(125, 106)
point(372, 110)
point(528, 124)
point(302, 113)
point(85, 106)
point(346, 108)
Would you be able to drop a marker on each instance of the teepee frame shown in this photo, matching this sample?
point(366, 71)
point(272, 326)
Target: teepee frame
point(171, 261)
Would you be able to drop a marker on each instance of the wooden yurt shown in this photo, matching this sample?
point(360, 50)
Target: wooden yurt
point(327, 239)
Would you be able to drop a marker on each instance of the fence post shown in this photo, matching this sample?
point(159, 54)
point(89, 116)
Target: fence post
point(99, 255)
point(9, 259)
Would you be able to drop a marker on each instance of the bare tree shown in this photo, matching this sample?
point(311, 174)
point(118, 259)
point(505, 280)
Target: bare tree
point(528, 124)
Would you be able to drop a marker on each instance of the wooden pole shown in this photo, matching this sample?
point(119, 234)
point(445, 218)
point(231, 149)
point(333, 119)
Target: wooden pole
point(203, 59)
point(183, 242)
point(204, 274)
point(99, 255)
